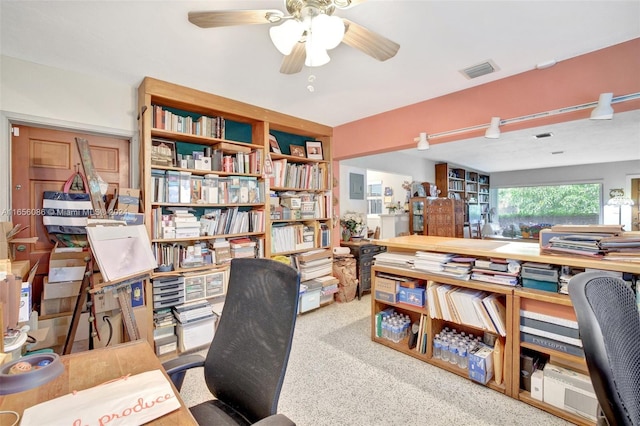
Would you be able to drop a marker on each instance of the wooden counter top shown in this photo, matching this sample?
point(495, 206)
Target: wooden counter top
point(506, 250)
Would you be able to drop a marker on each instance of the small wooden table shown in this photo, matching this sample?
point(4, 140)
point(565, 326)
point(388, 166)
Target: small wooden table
point(84, 370)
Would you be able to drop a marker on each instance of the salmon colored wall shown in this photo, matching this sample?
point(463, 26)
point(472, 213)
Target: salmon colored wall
point(570, 82)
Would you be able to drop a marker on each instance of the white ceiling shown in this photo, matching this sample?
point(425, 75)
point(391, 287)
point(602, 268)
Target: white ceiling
point(127, 40)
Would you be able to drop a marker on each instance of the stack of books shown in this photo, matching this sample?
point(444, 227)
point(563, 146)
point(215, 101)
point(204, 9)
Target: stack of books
point(550, 326)
point(496, 271)
point(313, 264)
point(580, 240)
point(242, 247)
point(625, 248)
point(193, 312)
point(431, 261)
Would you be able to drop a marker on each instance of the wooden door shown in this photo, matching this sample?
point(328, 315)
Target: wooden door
point(42, 160)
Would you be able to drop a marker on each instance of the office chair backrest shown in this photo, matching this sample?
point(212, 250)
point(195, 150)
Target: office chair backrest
point(248, 357)
point(610, 331)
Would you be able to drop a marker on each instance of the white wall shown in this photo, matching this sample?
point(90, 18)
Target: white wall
point(43, 96)
point(421, 170)
point(612, 175)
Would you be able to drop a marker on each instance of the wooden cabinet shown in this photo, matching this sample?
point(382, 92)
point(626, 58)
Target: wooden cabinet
point(418, 224)
point(445, 217)
point(363, 252)
point(513, 298)
point(206, 160)
point(442, 217)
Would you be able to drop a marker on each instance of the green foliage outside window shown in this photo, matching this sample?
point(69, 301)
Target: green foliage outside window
point(546, 201)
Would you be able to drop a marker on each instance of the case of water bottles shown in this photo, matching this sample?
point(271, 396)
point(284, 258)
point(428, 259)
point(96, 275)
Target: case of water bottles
point(393, 325)
point(454, 347)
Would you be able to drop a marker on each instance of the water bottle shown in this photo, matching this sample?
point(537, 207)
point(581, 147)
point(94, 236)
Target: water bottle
point(444, 349)
point(437, 345)
point(463, 361)
point(453, 349)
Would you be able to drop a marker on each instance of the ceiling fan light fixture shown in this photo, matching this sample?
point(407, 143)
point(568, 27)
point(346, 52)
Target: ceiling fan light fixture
point(317, 56)
point(603, 111)
point(493, 131)
point(286, 35)
point(327, 30)
point(423, 141)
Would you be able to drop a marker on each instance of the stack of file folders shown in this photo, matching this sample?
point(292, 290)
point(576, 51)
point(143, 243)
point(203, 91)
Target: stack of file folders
point(625, 248)
point(496, 271)
point(193, 312)
point(444, 264)
point(396, 260)
point(314, 264)
point(540, 276)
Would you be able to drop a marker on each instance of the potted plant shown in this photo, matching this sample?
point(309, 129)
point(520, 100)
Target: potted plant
point(352, 225)
point(525, 230)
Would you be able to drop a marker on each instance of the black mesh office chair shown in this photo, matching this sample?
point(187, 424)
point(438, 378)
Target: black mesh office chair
point(610, 331)
point(246, 362)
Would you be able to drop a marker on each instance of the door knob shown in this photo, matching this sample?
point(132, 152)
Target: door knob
point(18, 187)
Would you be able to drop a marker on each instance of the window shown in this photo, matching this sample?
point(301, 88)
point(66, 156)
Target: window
point(575, 204)
point(374, 198)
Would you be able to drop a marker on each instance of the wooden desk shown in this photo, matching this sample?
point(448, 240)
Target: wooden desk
point(84, 370)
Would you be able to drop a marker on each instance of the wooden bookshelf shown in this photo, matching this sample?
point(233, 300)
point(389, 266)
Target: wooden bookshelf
point(193, 121)
point(513, 297)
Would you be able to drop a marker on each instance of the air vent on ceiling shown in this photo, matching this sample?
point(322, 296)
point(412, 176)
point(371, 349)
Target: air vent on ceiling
point(479, 70)
point(543, 135)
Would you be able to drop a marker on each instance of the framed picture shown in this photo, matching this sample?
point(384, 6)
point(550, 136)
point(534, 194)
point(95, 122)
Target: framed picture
point(314, 150)
point(297, 151)
point(273, 144)
point(163, 153)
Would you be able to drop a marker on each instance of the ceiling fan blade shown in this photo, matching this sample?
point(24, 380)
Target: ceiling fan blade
point(373, 44)
point(225, 18)
point(293, 62)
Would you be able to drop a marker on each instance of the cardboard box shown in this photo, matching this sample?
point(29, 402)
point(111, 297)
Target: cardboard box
point(56, 329)
point(386, 297)
point(25, 302)
point(9, 237)
point(128, 200)
point(411, 296)
point(20, 268)
point(386, 285)
point(57, 306)
point(57, 290)
point(481, 364)
point(67, 264)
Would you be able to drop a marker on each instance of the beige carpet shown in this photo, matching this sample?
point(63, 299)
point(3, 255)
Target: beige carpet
point(338, 376)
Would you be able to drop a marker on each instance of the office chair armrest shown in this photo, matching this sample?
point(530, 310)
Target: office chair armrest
point(275, 420)
point(177, 368)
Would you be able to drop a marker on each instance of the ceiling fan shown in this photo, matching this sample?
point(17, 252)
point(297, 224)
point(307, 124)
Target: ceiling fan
point(307, 32)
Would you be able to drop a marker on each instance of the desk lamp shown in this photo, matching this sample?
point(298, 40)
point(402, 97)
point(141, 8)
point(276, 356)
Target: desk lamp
point(620, 201)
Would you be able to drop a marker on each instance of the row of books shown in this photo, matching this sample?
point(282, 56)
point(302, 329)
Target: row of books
point(550, 326)
point(182, 187)
point(467, 306)
point(299, 175)
point(164, 119)
point(172, 256)
point(299, 205)
point(292, 237)
point(230, 220)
